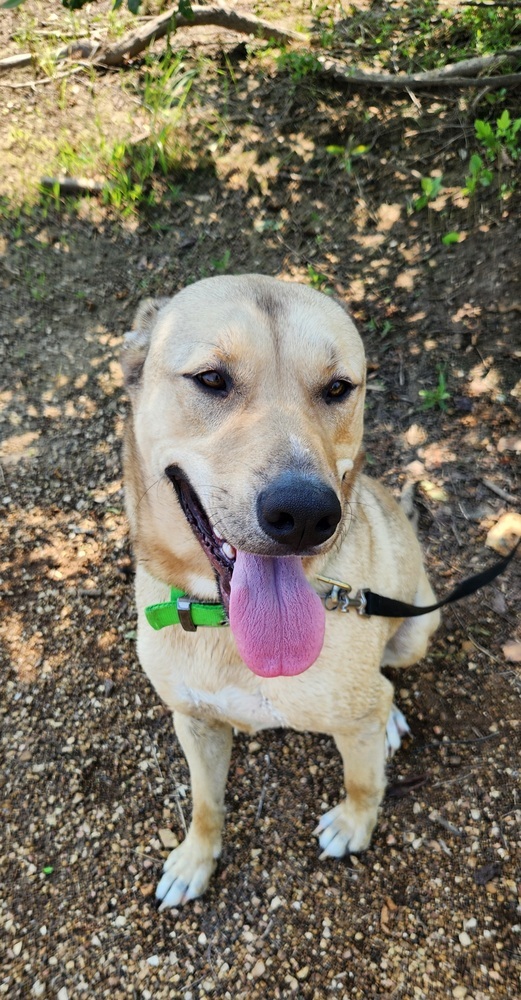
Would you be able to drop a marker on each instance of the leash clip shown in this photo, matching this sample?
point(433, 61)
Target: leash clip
point(338, 597)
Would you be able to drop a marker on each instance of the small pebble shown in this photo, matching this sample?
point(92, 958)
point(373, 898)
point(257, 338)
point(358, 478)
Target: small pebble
point(464, 939)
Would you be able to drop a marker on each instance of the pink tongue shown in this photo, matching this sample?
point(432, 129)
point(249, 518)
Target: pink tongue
point(277, 619)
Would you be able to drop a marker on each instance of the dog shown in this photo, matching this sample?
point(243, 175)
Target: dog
point(243, 484)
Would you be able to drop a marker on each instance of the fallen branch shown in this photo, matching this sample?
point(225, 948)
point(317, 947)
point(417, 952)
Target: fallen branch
point(460, 74)
point(83, 48)
point(224, 17)
point(136, 41)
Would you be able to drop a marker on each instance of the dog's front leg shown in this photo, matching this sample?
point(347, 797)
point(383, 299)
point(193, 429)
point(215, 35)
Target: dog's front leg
point(188, 869)
point(349, 825)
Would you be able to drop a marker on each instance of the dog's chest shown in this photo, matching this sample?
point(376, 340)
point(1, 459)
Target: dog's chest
point(246, 710)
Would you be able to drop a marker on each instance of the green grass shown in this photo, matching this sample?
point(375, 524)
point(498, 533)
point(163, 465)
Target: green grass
point(437, 397)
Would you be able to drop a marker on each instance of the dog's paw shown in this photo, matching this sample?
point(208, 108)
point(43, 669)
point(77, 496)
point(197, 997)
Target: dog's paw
point(395, 729)
point(187, 872)
point(345, 829)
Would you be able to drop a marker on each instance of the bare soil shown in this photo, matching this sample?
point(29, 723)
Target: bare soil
point(92, 775)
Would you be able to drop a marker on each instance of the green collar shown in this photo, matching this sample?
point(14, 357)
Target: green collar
point(181, 610)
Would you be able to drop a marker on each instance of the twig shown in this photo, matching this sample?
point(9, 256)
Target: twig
point(72, 185)
point(84, 48)
point(499, 492)
point(436, 817)
point(454, 781)
point(44, 79)
point(177, 798)
point(264, 787)
point(476, 645)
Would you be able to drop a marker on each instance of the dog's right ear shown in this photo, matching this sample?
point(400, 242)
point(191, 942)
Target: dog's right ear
point(137, 341)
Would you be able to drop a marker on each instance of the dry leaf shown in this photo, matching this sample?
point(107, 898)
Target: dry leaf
point(433, 492)
point(384, 920)
point(512, 651)
point(504, 534)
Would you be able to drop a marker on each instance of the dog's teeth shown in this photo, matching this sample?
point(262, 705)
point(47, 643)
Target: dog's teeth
point(228, 550)
point(218, 534)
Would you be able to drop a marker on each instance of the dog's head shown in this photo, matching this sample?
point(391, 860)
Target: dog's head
point(248, 397)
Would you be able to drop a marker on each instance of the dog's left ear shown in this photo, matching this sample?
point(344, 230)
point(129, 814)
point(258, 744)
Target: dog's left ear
point(137, 341)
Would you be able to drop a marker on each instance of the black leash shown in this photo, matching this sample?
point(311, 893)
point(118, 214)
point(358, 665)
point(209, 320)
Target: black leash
point(368, 603)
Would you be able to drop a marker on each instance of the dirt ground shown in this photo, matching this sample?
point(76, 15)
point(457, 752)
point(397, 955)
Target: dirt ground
point(92, 776)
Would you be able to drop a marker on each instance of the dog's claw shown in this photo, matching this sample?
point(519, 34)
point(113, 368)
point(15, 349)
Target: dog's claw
point(186, 876)
point(344, 829)
point(396, 728)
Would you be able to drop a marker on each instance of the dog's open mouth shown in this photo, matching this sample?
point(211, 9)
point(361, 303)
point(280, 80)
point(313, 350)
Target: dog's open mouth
point(220, 553)
point(277, 619)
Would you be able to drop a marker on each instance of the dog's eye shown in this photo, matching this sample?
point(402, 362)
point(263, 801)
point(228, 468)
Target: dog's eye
point(212, 380)
point(337, 389)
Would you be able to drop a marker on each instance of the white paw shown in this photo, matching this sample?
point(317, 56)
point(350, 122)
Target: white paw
point(395, 729)
point(344, 829)
point(187, 872)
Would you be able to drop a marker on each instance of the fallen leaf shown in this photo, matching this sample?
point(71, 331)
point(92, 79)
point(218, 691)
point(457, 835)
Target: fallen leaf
point(512, 651)
point(433, 491)
point(504, 533)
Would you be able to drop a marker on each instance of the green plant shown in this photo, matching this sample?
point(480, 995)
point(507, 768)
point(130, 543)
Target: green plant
point(437, 396)
point(504, 138)
point(431, 187)
point(346, 154)
point(450, 238)
point(298, 64)
point(478, 176)
point(167, 83)
point(221, 264)
point(317, 280)
point(382, 329)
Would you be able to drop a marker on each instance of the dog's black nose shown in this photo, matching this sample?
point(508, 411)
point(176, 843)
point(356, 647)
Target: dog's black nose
point(298, 511)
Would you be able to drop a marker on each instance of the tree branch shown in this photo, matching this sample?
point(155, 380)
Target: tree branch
point(460, 74)
point(224, 17)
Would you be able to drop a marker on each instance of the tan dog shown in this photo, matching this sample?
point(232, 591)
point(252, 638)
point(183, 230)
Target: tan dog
point(242, 477)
